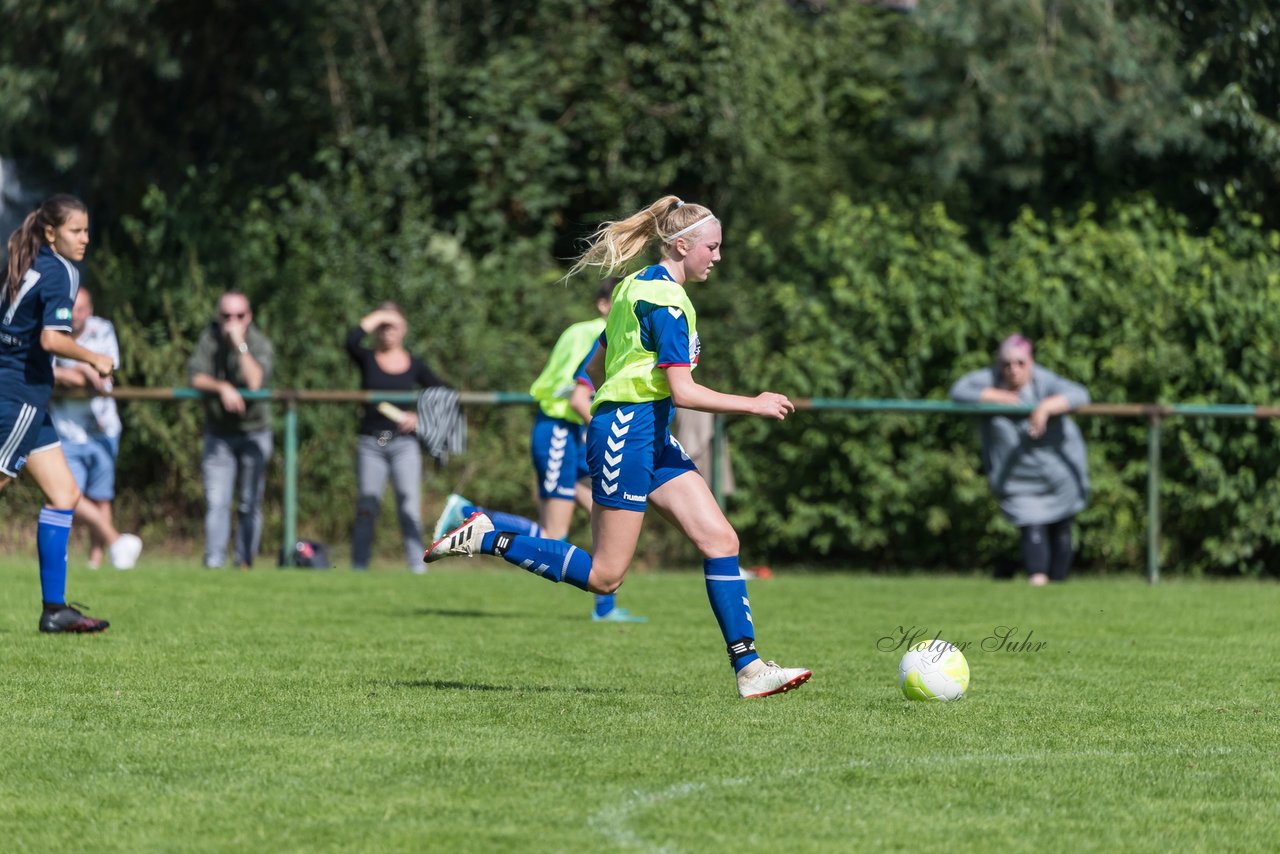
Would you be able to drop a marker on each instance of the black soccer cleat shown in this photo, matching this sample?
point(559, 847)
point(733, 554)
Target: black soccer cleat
point(68, 619)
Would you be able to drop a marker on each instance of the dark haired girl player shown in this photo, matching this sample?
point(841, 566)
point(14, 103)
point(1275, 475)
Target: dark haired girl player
point(650, 348)
point(35, 325)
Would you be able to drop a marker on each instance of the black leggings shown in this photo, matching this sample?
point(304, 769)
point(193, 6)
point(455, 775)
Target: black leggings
point(1047, 549)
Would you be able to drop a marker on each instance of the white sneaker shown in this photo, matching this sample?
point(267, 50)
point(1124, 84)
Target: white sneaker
point(463, 541)
point(450, 517)
point(124, 551)
point(762, 678)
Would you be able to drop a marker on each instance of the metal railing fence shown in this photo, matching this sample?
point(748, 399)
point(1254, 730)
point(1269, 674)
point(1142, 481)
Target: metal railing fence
point(1154, 414)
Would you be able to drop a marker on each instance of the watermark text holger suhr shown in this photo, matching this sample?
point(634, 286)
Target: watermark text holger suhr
point(1001, 639)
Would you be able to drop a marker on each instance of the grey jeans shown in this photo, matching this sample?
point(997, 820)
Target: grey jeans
point(234, 465)
point(401, 458)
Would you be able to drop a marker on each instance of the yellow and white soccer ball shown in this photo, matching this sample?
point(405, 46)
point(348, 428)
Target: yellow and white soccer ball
point(934, 670)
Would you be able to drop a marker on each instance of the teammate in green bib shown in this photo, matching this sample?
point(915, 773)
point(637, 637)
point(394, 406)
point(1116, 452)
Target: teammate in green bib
point(558, 448)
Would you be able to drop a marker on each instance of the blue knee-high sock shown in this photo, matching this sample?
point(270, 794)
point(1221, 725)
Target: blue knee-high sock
point(508, 521)
point(554, 560)
point(605, 602)
point(51, 545)
point(727, 590)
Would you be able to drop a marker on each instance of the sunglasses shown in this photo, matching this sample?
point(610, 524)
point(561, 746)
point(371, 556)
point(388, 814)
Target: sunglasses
point(1012, 362)
point(241, 316)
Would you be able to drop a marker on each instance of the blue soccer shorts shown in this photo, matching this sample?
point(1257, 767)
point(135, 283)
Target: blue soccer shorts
point(559, 452)
point(93, 465)
point(631, 452)
point(24, 430)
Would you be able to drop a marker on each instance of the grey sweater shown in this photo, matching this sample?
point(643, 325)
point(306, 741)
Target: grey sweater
point(1036, 481)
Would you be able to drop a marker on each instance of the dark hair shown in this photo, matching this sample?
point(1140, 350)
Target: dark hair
point(26, 240)
point(607, 284)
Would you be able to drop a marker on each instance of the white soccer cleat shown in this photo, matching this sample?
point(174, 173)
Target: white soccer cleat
point(124, 551)
point(763, 678)
point(463, 541)
point(450, 517)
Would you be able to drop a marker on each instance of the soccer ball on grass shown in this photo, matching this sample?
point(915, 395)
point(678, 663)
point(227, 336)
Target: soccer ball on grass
point(933, 670)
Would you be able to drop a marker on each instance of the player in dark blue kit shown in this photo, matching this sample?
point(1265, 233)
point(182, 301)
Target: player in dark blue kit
point(35, 325)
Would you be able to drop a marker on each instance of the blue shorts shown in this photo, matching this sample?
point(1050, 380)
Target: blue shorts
point(631, 452)
point(559, 453)
point(24, 430)
point(93, 465)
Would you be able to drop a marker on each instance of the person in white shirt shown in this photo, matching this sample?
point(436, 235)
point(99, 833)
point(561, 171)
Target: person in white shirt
point(89, 427)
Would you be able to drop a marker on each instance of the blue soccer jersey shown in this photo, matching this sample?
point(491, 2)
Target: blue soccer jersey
point(44, 301)
point(662, 332)
point(630, 449)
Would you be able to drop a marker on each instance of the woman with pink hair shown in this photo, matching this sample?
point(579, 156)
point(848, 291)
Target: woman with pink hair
point(1037, 466)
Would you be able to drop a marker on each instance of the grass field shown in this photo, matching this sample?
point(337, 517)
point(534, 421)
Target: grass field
point(476, 708)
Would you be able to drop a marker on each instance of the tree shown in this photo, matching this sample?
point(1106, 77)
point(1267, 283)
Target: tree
point(1045, 103)
point(1231, 51)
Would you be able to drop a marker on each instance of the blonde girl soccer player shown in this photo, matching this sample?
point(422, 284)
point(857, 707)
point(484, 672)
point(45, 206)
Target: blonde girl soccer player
point(35, 325)
point(650, 346)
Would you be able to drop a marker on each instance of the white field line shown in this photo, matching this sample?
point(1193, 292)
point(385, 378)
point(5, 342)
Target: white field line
point(614, 821)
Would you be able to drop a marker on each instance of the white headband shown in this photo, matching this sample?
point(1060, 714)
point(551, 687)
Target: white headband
point(688, 228)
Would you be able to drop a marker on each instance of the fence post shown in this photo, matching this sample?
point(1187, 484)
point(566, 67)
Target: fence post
point(290, 481)
point(1153, 498)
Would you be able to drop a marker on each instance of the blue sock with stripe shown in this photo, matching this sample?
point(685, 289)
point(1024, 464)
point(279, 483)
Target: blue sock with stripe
point(727, 590)
point(52, 535)
point(507, 521)
point(605, 602)
point(554, 560)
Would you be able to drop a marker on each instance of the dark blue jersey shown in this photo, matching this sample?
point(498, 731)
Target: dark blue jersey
point(44, 301)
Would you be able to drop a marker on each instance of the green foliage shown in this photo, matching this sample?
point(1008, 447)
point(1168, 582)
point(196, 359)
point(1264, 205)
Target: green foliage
point(111, 97)
point(890, 185)
point(1042, 103)
point(325, 254)
point(1233, 61)
point(872, 302)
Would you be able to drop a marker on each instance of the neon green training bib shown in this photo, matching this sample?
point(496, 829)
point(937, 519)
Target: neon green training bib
point(631, 372)
point(554, 386)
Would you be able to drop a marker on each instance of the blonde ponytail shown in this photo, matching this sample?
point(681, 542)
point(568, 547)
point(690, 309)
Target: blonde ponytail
point(615, 243)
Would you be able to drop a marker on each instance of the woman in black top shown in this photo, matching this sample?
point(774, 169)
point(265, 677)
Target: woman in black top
point(385, 447)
